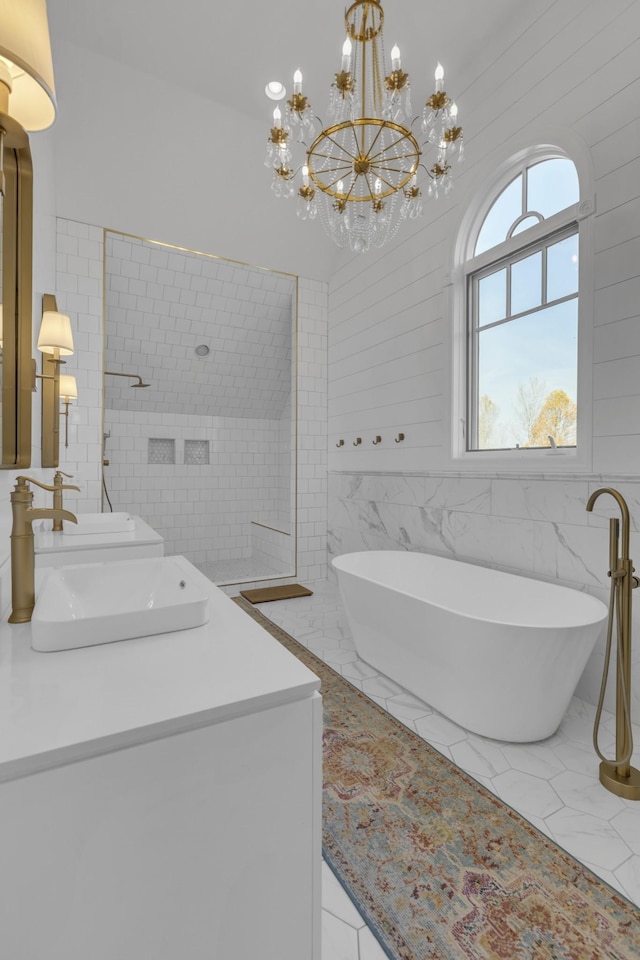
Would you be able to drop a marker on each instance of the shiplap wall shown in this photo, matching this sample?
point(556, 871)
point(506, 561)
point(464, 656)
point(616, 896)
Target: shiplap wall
point(577, 67)
point(391, 350)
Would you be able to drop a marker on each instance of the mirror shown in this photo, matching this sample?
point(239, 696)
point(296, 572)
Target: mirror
point(50, 393)
point(16, 367)
point(200, 405)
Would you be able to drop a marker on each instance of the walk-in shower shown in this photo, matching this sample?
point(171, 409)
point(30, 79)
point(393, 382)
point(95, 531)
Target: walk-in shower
point(205, 454)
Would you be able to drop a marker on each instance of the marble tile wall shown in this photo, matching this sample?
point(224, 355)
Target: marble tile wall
point(532, 527)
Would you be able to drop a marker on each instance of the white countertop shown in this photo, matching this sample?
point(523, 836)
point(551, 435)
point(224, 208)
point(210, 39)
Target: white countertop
point(46, 541)
point(61, 707)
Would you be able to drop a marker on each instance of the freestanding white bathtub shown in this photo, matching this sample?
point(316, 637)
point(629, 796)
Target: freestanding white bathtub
point(497, 653)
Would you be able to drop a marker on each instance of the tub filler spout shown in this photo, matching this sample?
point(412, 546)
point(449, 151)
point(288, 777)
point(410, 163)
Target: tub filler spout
point(617, 775)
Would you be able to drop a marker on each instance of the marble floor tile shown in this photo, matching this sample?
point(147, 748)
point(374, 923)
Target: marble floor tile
point(585, 793)
point(337, 901)
point(338, 656)
point(339, 940)
point(358, 670)
point(479, 757)
point(369, 947)
point(437, 729)
point(538, 761)
point(530, 795)
point(584, 835)
point(628, 877)
point(405, 706)
point(627, 824)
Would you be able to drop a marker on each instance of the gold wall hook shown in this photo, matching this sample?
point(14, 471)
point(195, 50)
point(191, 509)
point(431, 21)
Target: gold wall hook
point(378, 439)
point(340, 443)
point(399, 438)
point(357, 441)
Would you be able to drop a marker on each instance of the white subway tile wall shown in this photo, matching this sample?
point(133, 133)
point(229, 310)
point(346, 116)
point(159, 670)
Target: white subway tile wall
point(203, 511)
point(208, 336)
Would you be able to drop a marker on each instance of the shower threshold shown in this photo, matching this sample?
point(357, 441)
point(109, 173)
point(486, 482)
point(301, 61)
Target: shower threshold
point(227, 572)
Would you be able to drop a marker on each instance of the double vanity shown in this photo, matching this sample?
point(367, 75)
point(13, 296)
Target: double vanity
point(160, 796)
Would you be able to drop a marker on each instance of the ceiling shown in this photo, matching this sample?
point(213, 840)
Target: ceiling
point(228, 51)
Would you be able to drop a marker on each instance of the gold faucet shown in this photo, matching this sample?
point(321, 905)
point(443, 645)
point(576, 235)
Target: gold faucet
point(58, 486)
point(23, 594)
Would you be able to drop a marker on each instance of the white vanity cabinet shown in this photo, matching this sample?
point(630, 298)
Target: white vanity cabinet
point(160, 798)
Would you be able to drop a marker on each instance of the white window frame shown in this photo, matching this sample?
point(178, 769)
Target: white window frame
point(534, 461)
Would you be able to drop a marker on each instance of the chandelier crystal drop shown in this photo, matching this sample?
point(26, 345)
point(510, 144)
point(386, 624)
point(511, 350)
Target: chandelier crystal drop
point(366, 171)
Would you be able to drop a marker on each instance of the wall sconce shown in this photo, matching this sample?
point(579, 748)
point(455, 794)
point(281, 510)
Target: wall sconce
point(68, 392)
point(55, 340)
point(26, 69)
point(55, 335)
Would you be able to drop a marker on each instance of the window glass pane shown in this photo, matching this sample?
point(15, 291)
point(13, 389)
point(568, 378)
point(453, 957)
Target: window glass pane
point(551, 186)
point(527, 380)
point(526, 283)
point(492, 298)
point(497, 223)
point(562, 268)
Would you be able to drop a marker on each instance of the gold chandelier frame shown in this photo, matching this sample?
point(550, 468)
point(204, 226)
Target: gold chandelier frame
point(366, 33)
point(365, 163)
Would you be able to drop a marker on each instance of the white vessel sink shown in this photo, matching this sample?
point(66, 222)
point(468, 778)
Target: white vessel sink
point(93, 603)
point(92, 524)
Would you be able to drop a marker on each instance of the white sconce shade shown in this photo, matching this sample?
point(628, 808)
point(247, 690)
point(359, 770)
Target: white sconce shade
point(68, 388)
point(25, 46)
point(68, 392)
point(55, 334)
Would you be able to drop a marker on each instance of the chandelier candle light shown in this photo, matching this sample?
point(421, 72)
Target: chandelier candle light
point(365, 172)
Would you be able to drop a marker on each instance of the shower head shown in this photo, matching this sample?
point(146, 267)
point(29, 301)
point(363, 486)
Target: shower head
point(132, 376)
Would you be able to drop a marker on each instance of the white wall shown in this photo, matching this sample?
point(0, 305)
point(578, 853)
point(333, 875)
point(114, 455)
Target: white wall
point(391, 350)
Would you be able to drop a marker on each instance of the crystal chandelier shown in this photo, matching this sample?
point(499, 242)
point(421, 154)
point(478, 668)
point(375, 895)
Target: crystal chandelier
point(365, 172)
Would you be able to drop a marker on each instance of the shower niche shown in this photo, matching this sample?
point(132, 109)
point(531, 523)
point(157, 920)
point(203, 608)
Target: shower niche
point(206, 452)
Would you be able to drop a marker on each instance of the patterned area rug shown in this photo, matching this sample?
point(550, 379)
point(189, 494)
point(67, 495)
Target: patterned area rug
point(437, 866)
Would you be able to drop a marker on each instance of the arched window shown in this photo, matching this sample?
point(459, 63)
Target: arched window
point(522, 297)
